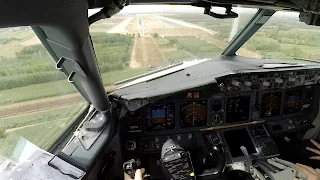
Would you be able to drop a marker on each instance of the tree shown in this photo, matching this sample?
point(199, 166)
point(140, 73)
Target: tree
point(2, 131)
point(296, 52)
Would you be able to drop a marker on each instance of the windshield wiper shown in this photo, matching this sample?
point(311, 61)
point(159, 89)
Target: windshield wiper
point(309, 60)
point(257, 21)
point(146, 74)
point(158, 73)
point(280, 65)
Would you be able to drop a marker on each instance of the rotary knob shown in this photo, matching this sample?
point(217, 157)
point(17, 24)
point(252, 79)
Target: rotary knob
point(292, 79)
point(266, 83)
point(278, 80)
point(216, 119)
point(236, 83)
point(248, 83)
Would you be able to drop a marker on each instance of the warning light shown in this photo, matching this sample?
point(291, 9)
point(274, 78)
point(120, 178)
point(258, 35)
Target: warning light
point(196, 94)
point(193, 95)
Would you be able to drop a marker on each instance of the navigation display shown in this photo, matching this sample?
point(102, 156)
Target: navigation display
point(237, 138)
point(292, 102)
point(193, 113)
point(160, 116)
point(271, 104)
point(238, 109)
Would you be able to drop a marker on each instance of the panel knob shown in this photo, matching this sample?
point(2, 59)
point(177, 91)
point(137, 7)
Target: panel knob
point(131, 145)
point(301, 80)
point(292, 79)
point(178, 137)
point(266, 83)
point(248, 83)
point(236, 83)
point(278, 80)
point(156, 139)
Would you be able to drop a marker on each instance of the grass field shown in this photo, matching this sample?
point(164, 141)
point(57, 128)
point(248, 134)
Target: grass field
point(186, 48)
point(42, 128)
point(10, 49)
point(34, 118)
point(58, 88)
point(195, 46)
point(170, 51)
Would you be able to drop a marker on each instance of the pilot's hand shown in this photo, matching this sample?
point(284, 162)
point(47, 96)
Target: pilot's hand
point(137, 176)
point(316, 151)
point(312, 174)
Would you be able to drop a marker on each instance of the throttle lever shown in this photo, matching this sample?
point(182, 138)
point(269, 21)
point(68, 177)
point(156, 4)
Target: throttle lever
point(248, 165)
point(248, 162)
point(130, 167)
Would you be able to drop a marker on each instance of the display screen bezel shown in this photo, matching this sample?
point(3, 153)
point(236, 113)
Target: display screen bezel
point(280, 106)
point(282, 114)
point(150, 128)
point(193, 100)
point(226, 112)
point(228, 143)
point(284, 100)
point(240, 158)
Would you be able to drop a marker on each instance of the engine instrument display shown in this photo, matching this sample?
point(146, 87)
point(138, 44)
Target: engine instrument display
point(292, 102)
point(271, 104)
point(160, 116)
point(238, 109)
point(193, 113)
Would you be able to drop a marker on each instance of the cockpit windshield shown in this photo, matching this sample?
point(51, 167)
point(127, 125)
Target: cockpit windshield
point(37, 103)
point(145, 38)
point(284, 36)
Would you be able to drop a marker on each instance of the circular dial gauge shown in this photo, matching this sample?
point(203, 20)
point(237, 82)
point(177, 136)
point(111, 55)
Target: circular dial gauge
point(270, 104)
point(193, 113)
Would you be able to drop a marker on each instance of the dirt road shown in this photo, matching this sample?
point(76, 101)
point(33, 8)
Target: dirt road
point(144, 53)
point(40, 105)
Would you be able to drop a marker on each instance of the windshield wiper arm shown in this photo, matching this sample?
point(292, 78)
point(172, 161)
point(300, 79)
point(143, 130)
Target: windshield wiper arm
point(257, 21)
point(280, 65)
point(309, 60)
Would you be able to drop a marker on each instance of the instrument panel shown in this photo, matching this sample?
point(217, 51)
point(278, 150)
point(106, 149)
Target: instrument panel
point(193, 113)
point(281, 101)
point(160, 116)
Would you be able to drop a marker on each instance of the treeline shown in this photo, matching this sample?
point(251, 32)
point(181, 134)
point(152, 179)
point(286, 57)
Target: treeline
point(268, 46)
point(112, 51)
point(33, 65)
point(297, 37)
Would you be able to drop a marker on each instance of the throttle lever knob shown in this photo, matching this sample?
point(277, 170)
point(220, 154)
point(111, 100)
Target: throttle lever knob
point(130, 166)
